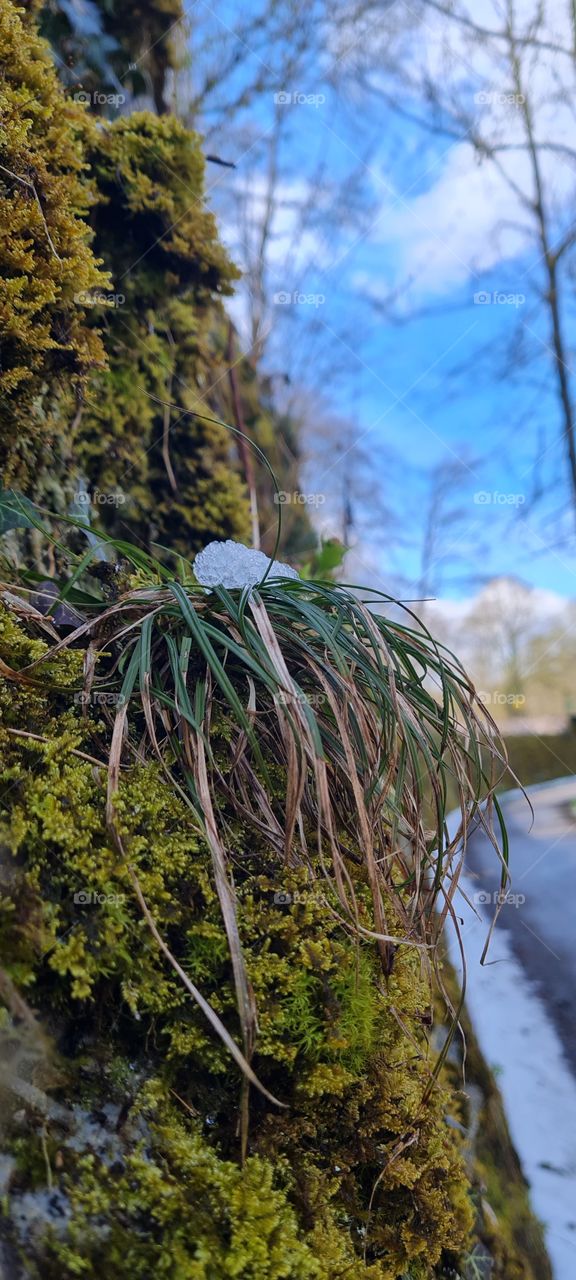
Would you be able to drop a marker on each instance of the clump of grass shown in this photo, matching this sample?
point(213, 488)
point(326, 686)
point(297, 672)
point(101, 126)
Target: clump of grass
point(371, 724)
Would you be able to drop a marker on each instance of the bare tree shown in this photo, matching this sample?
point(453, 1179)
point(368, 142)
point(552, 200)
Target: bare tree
point(493, 89)
point(446, 532)
point(518, 126)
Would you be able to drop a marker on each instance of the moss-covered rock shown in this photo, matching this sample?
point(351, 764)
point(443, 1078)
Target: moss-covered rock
point(76, 193)
point(111, 310)
point(169, 269)
point(46, 346)
point(128, 1161)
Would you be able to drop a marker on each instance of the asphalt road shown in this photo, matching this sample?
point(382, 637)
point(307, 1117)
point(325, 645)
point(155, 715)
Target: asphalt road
point(540, 917)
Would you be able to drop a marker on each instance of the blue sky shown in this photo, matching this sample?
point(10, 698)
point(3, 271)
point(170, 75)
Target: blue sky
point(436, 383)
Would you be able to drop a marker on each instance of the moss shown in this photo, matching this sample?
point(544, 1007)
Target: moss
point(176, 1210)
point(156, 1186)
point(88, 354)
point(46, 258)
point(84, 350)
point(161, 341)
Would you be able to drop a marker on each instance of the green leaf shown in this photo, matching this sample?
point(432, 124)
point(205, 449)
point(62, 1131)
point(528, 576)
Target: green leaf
point(15, 511)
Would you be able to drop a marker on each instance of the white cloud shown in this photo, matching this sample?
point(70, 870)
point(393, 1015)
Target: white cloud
point(458, 228)
point(471, 217)
point(504, 593)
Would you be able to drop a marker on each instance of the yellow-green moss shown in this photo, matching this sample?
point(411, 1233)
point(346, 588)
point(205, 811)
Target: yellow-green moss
point(170, 269)
point(344, 1049)
point(45, 254)
point(200, 1216)
point(83, 350)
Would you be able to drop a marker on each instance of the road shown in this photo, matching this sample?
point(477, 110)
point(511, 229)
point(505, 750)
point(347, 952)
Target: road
point(540, 916)
point(522, 1002)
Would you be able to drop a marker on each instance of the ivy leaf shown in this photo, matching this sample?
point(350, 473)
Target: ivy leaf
point(324, 561)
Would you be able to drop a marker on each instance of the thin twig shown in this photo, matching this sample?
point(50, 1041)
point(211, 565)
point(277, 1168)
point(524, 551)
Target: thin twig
point(26, 183)
point(39, 737)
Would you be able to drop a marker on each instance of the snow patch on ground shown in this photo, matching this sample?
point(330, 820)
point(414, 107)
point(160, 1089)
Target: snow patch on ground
point(539, 1091)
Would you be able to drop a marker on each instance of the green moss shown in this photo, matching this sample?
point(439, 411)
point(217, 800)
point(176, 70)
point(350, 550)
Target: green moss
point(47, 347)
point(84, 351)
point(177, 1210)
point(87, 354)
point(163, 1191)
point(162, 342)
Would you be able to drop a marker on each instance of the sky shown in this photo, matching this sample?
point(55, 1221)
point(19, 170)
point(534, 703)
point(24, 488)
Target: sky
point(419, 301)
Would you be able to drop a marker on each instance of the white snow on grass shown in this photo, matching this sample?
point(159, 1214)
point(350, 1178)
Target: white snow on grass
point(231, 564)
point(518, 1038)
